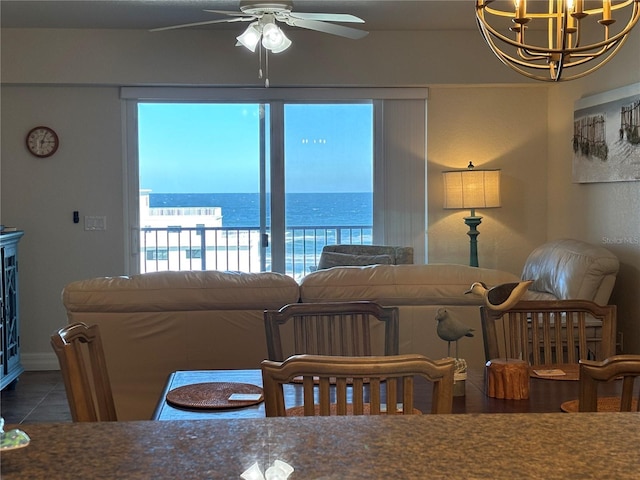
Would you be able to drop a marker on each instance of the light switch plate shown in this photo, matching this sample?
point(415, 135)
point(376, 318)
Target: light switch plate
point(95, 223)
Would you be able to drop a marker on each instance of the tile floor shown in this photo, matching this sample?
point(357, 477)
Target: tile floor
point(37, 397)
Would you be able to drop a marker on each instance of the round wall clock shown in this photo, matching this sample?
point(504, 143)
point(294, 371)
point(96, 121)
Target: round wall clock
point(42, 141)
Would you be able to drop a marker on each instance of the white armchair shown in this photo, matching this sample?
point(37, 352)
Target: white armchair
point(569, 269)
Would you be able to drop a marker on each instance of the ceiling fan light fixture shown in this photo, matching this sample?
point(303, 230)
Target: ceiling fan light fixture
point(274, 39)
point(284, 44)
point(251, 36)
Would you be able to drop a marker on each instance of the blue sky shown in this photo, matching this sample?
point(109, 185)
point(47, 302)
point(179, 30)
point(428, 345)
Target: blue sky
point(213, 148)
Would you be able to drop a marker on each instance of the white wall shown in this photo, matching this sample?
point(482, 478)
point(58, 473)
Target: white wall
point(600, 213)
point(484, 124)
point(479, 110)
point(40, 195)
point(190, 57)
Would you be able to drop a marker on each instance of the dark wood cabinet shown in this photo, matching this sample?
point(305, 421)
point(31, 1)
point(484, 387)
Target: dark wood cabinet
point(10, 325)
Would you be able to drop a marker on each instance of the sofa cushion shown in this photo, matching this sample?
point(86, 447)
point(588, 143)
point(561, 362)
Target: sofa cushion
point(333, 259)
point(181, 291)
point(572, 269)
point(399, 255)
point(433, 284)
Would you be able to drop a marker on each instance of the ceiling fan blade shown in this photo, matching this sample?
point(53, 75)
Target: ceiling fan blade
point(331, 28)
point(327, 17)
point(230, 13)
point(209, 22)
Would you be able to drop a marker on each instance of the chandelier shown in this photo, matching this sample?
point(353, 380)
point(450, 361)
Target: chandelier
point(540, 39)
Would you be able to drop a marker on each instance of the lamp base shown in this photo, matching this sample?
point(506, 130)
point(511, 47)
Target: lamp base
point(472, 222)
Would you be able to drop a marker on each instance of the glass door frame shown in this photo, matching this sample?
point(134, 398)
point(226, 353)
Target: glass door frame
point(276, 98)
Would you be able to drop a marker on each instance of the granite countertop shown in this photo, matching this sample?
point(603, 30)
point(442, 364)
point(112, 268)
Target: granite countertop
point(495, 446)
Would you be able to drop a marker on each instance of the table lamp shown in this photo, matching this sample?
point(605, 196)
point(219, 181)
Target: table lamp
point(472, 188)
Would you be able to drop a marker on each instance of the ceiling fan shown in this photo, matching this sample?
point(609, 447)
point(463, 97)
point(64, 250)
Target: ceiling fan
point(264, 17)
point(264, 30)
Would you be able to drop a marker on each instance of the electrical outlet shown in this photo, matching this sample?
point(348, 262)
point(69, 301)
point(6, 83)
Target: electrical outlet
point(94, 223)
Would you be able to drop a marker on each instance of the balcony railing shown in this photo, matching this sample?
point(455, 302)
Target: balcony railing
point(239, 248)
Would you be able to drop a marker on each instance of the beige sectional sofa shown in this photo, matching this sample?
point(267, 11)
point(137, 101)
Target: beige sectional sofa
point(156, 323)
point(153, 324)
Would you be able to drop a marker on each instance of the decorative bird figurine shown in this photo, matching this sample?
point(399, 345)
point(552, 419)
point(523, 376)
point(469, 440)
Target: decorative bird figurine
point(501, 297)
point(450, 329)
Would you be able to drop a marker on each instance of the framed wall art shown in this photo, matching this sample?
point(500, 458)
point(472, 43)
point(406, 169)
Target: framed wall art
point(606, 136)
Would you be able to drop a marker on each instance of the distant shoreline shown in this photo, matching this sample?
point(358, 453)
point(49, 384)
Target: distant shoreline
point(243, 209)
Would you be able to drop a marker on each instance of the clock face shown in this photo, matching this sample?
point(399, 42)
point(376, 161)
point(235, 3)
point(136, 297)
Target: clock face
point(42, 141)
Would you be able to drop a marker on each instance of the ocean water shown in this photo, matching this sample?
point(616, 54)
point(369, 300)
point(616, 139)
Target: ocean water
point(302, 209)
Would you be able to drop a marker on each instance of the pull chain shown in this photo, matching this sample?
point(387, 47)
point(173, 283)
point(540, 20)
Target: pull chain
point(266, 62)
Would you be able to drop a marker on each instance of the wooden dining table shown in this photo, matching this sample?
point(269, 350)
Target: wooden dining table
point(545, 396)
point(492, 446)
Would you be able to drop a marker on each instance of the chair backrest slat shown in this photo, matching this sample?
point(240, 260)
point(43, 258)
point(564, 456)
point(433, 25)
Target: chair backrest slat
point(331, 328)
point(550, 333)
point(359, 384)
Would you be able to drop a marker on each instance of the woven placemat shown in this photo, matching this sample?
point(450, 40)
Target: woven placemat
point(213, 395)
point(605, 404)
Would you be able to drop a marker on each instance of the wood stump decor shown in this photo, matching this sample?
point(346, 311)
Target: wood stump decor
point(507, 378)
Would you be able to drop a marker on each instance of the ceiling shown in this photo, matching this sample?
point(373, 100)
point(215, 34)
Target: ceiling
point(147, 14)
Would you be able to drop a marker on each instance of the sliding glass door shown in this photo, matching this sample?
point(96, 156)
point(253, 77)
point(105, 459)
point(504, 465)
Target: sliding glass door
point(328, 178)
point(252, 186)
point(267, 177)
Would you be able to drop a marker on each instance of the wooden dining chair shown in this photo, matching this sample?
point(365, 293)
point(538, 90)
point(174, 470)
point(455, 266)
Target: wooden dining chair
point(84, 371)
point(527, 331)
point(360, 385)
point(332, 328)
point(594, 373)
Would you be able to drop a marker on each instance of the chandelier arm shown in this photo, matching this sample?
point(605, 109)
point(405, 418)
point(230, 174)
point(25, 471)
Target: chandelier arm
point(524, 60)
point(528, 56)
point(605, 59)
point(535, 48)
point(510, 61)
point(578, 36)
point(601, 52)
point(515, 64)
point(502, 55)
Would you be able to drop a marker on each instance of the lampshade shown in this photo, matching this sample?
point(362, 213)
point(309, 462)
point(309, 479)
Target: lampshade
point(251, 36)
point(274, 39)
point(471, 188)
point(543, 39)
